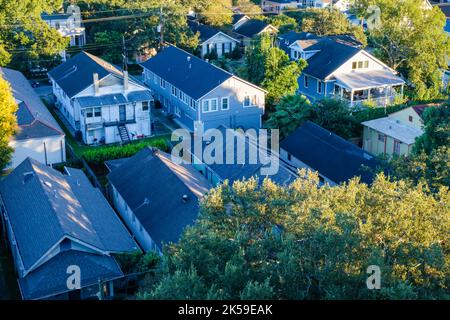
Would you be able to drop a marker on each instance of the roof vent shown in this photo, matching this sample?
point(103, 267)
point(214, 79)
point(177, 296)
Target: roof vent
point(55, 194)
point(188, 58)
point(185, 198)
point(27, 176)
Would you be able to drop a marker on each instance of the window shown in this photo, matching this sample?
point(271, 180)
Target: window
point(97, 112)
point(205, 105)
point(155, 78)
point(180, 95)
point(174, 91)
point(360, 64)
point(306, 81)
point(210, 105)
point(213, 104)
point(366, 64)
point(193, 104)
point(254, 100)
point(145, 106)
point(225, 103)
point(319, 86)
point(381, 137)
point(410, 118)
point(89, 113)
point(397, 146)
point(354, 65)
point(162, 83)
point(247, 101)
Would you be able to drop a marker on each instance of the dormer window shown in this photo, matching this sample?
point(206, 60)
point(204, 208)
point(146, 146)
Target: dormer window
point(360, 64)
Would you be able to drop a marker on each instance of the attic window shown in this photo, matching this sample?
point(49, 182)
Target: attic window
point(410, 118)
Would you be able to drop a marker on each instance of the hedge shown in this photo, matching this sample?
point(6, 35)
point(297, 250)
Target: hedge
point(101, 154)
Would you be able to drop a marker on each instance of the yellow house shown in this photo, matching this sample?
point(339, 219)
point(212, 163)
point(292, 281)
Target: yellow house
point(394, 134)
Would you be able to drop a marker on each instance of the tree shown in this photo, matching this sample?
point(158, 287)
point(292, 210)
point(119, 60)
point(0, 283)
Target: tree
point(289, 114)
point(411, 40)
point(271, 68)
point(8, 121)
point(282, 22)
point(25, 37)
point(333, 115)
point(217, 13)
point(429, 161)
point(436, 129)
point(304, 241)
point(331, 22)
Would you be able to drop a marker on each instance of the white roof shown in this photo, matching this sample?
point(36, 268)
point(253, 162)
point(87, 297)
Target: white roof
point(368, 79)
point(395, 129)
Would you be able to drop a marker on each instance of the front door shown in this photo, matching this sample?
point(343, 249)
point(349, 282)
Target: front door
point(122, 113)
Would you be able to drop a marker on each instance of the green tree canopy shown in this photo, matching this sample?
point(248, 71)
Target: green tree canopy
point(25, 37)
point(411, 40)
point(271, 68)
point(309, 242)
point(8, 121)
point(331, 22)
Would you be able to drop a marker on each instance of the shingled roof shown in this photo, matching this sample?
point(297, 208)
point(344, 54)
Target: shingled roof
point(76, 74)
point(330, 155)
point(252, 28)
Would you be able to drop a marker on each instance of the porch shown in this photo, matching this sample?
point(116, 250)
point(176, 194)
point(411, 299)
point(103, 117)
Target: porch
point(378, 88)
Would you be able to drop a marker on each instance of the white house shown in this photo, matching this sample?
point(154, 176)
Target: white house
point(102, 102)
point(68, 25)
point(38, 136)
point(276, 6)
point(213, 40)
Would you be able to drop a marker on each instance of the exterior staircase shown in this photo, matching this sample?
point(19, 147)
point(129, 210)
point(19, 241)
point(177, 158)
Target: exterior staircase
point(123, 133)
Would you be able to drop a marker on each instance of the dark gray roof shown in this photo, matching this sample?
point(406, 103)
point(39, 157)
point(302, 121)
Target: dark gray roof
point(332, 55)
point(51, 278)
point(329, 154)
point(34, 130)
point(245, 168)
point(251, 28)
point(114, 164)
point(30, 105)
point(114, 99)
point(205, 32)
point(76, 74)
point(187, 72)
point(151, 175)
point(44, 206)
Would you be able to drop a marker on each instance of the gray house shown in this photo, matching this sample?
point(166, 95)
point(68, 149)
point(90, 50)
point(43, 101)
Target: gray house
point(201, 95)
point(338, 67)
point(56, 223)
point(156, 197)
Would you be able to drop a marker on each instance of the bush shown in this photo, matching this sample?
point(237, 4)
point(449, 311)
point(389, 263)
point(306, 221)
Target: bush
point(101, 154)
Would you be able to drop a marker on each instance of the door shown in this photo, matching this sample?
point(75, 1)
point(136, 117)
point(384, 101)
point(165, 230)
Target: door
point(122, 113)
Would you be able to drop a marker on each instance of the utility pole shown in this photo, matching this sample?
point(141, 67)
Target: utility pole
point(161, 27)
point(124, 54)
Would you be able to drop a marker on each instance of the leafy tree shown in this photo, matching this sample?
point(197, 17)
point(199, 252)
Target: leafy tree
point(271, 68)
point(436, 129)
point(333, 115)
point(411, 40)
point(331, 22)
point(114, 53)
point(217, 13)
point(304, 241)
point(8, 121)
point(25, 37)
point(282, 22)
point(289, 114)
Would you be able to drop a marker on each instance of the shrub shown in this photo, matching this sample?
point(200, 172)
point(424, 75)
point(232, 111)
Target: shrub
point(101, 154)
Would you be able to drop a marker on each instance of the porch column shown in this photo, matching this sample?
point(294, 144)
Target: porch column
point(401, 90)
point(368, 94)
point(351, 98)
point(386, 95)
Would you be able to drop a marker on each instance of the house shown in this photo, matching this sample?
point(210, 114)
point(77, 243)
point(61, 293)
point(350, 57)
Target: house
point(156, 197)
point(239, 165)
point(56, 223)
point(246, 29)
point(335, 159)
point(68, 25)
point(100, 101)
point(38, 135)
point(396, 133)
point(338, 67)
point(276, 6)
point(200, 95)
point(212, 39)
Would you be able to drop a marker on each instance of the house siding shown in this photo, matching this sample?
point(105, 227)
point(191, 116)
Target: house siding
point(221, 43)
point(373, 144)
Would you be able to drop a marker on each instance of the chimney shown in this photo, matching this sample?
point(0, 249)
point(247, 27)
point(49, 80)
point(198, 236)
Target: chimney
point(96, 85)
point(126, 81)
